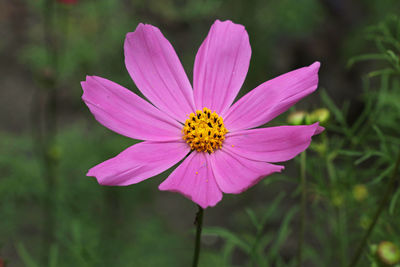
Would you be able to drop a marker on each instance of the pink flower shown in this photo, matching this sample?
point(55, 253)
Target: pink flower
point(221, 152)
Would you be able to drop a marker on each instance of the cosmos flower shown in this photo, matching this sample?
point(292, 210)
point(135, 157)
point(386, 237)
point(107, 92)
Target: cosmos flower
point(220, 149)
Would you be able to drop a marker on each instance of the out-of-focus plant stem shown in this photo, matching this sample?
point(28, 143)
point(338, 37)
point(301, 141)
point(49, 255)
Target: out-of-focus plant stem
point(385, 198)
point(199, 225)
point(47, 127)
point(342, 222)
point(253, 253)
point(303, 188)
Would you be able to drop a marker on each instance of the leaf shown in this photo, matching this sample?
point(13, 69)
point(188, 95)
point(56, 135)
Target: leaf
point(382, 175)
point(362, 119)
point(277, 178)
point(255, 252)
point(53, 256)
point(25, 256)
point(393, 202)
point(227, 253)
point(253, 218)
point(332, 107)
point(367, 156)
point(229, 236)
point(393, 56)
point(264, 241)
point(355, 59)
point(350, 153)
point(386, 71)
point(272, 208)
point(382, 138)
point(283, 233)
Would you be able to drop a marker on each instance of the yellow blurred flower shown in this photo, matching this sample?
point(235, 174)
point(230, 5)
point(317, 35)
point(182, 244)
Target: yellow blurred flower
point(360, 192)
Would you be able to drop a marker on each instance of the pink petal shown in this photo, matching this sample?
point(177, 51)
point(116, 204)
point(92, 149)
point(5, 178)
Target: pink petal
point(235, 174)
point(272, 98)
point(139, 162)
point(221, 66)
point(157, 72)
point(122, 111)
point(273, 144)
point(195, 180)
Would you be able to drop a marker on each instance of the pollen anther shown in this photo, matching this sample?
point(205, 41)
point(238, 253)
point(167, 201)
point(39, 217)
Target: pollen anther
point(204, 131)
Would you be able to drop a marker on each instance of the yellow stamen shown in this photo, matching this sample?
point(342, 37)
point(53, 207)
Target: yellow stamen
point(204, 131)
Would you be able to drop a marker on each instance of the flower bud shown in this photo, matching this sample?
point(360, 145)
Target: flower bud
point(297, 117)
point(388, 253)
point(360, 192)
point(54, 152)
point(320, 115)
point(337, 199)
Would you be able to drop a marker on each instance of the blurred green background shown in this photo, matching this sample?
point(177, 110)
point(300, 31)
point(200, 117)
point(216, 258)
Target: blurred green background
point(51, 214)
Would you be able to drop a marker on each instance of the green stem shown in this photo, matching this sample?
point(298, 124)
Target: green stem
point(199, 225)
point(253, 253)
point(341, 213)
point(384, 201)
point(303, 187)
point(48, 131)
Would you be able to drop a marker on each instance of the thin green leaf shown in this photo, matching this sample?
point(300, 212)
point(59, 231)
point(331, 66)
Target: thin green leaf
point(382, 138)
point(53, 256)
point(272, 208)
point(364, 57)
point(382, 175)
point(367, 156)
point(283, 233)
point(386, 71)
point(231, 237)
point(393, 202)
point(227, 253)
point(350, 153)
point(25, 256)
point(332, 107)
point(277, 178)
point(253, 218)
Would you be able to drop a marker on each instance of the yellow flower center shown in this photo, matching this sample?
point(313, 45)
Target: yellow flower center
point(204, 131)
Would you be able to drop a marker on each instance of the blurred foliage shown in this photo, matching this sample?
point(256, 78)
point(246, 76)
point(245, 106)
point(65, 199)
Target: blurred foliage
point(93, 223)
point(102, 226)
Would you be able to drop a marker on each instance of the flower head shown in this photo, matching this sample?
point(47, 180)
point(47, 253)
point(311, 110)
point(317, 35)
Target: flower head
point(221, 151)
